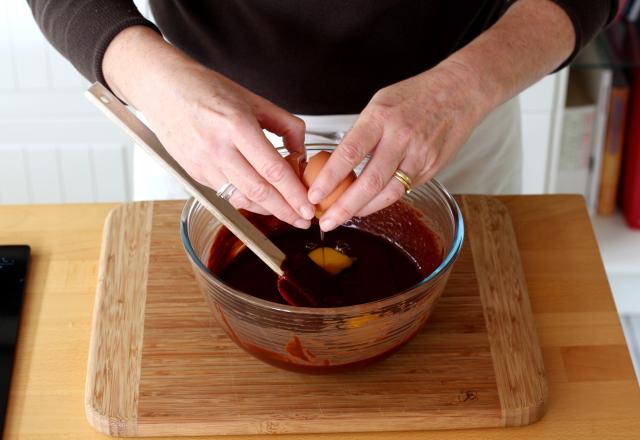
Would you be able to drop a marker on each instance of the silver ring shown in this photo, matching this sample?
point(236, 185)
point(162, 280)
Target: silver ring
point(226, 191)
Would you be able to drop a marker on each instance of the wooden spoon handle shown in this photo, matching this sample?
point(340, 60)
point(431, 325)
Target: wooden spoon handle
point(221, 209)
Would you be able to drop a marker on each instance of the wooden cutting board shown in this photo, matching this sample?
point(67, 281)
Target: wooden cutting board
point(160, 365)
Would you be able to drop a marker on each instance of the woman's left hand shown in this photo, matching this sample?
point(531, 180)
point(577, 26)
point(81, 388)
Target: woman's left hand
point(416, 125)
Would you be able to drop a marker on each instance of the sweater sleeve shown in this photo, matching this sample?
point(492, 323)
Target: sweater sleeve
point(589, 17)
point(82, 30)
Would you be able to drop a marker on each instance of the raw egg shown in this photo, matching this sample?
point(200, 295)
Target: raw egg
point(330, 259)
point(312, 170)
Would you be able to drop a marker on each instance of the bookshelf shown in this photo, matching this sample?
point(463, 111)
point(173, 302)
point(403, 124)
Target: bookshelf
point(619, 244)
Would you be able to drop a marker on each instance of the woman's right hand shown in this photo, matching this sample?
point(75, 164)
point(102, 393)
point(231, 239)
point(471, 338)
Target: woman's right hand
point(211, 125)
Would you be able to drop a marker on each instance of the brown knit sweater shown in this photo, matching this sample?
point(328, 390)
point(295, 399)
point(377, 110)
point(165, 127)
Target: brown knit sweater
point(309, 56)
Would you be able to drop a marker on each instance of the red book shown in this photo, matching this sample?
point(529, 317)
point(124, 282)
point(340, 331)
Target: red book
point(631, 161)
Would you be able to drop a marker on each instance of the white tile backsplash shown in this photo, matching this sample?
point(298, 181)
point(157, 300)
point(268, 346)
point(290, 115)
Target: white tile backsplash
point(14, 184)
point(44, 175)
point(76, 170)
point(55, 147)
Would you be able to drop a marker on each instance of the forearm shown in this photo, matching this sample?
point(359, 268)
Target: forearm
point(212, 126)
point(137, 60)
point(529, 41)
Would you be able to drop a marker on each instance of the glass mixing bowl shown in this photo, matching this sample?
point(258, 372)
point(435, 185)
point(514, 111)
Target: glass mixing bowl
point(324, 340)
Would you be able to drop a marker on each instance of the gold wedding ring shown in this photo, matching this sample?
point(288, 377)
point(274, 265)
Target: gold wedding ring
point(404, 179)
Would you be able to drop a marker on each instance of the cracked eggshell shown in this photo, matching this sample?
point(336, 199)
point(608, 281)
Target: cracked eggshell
point(312, 170)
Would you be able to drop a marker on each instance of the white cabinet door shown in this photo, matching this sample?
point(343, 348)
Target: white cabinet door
point(542, 108)
point(535, 144)
point(539, 97)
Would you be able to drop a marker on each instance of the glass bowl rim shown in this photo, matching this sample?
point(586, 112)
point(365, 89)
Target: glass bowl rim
point(453, 252)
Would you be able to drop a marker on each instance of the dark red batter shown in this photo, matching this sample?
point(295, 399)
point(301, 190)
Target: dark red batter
point(381, 267)
point(394, 249)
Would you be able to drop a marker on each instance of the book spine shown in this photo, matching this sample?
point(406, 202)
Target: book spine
point(603, 100)
point(631, 179)
point(612, 156)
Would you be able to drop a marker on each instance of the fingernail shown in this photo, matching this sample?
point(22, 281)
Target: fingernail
point(301, 223)
point(307, 211)
point(315, 196)
point(327, 224)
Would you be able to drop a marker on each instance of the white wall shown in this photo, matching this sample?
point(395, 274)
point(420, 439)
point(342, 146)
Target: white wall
point(54, 145)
